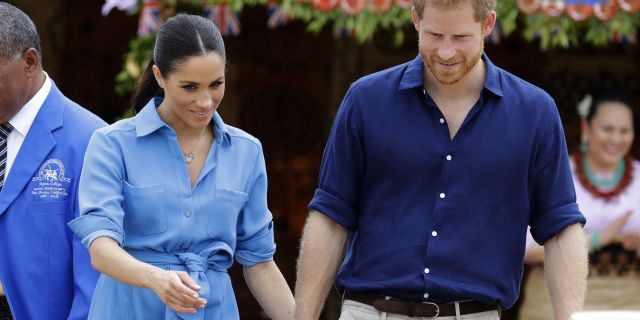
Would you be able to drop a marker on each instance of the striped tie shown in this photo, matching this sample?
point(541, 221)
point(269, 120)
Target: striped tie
point(5, 129)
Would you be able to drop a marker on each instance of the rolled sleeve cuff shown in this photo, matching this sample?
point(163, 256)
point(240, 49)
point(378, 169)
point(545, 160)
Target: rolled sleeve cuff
point(554, 221)
point(260, 248)
point(86, 241)
point(334, 208)
point(89, 228)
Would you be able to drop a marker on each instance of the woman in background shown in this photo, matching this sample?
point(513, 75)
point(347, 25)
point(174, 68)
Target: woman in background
point(170, 197)
point(607, 182)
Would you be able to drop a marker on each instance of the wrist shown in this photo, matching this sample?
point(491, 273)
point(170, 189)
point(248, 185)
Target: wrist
point(302, 312)
point(152, 276)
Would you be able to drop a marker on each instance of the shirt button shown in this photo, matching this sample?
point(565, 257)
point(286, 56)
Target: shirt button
point(426, 295)
point(441, 120)
point(448, 157)
point(187, 213)
point(434, 233)
point(426, 270)
point(442, 195)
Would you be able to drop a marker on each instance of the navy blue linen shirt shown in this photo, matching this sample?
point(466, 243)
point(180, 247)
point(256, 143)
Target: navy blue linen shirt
point(435, 219)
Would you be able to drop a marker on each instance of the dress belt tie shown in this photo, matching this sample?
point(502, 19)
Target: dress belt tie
point(196, 265)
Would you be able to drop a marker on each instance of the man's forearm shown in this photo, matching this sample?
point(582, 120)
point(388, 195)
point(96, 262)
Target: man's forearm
point(321, 253)
point(566, 268)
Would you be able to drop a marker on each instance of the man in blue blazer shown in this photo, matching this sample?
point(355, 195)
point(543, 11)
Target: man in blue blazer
point(45, 271)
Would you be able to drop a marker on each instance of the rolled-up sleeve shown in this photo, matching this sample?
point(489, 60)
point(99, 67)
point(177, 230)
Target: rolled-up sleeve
point(255, 236)
point(554, 200)
point(100, 192)
point(342, 170)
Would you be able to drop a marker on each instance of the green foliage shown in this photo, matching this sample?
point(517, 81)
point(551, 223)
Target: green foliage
point(135, 61)
point(551, 32)
point(564, 32)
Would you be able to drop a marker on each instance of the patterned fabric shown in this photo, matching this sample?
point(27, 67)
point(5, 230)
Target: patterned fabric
point(5, 129)
point(614, 260)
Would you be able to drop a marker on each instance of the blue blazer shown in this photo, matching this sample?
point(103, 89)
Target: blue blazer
point(45, 270)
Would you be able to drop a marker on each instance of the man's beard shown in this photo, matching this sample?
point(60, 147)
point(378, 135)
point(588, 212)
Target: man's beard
point(453, 76)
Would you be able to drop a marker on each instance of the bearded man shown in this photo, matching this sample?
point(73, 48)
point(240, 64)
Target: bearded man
point(432, 173)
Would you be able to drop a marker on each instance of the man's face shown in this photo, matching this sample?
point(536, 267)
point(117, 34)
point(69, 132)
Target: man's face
point(13, 87)
point(450, 40)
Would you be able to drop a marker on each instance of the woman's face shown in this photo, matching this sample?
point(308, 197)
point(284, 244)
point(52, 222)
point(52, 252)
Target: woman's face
point(609, 134)
point(193, 90)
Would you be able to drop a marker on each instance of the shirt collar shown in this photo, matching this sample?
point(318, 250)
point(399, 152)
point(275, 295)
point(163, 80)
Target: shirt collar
point(413, 76)
point(148, 121)
point(23, 120)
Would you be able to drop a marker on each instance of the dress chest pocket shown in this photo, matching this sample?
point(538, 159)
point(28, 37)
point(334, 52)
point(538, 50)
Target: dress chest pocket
point(226, 207)
point(144, 209)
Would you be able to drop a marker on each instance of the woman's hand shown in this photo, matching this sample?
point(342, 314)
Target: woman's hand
point(176, 289)
point(612, 232)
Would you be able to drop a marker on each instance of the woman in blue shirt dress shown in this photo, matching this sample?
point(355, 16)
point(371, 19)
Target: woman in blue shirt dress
point(170, 197)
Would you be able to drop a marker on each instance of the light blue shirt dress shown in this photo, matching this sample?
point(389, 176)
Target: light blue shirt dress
point(135, 189)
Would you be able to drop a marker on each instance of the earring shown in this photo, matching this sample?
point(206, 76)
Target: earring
point(584, 146)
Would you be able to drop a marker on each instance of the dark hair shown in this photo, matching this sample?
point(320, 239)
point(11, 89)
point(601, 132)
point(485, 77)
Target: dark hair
point(17, 32)
point(616, 94)
point(179, 38)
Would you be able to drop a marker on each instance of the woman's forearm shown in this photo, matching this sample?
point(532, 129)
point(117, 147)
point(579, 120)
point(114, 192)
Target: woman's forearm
point(270, 289)
point(109, 258)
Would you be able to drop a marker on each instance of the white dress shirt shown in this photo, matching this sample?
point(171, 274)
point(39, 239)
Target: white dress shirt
point(22, 122)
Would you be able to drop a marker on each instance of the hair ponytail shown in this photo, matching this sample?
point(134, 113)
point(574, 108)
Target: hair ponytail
point(147, 88)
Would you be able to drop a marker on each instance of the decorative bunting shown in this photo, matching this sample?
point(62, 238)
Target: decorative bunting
point(276, 18)
point(150, 19)
point(227, 21)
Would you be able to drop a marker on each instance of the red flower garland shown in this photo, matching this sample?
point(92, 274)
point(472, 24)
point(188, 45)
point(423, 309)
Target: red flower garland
point(605, 11)
point(528, 6)
point(627, 176)
point(406, 4)
point(629, 5)
point(324, 5)
point(579, 12)
point(382, 6)
point(352, 7)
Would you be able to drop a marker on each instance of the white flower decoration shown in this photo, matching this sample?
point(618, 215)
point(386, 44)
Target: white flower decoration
point(584, 106)
point(124, 5)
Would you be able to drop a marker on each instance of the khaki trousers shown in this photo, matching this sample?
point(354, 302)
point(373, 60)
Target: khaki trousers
point(352, 310)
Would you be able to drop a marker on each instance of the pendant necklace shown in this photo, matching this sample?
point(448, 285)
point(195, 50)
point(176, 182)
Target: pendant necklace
point(188, 157)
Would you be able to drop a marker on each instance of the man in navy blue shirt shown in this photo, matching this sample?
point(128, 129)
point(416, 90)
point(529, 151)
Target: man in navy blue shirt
point(431, 175)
